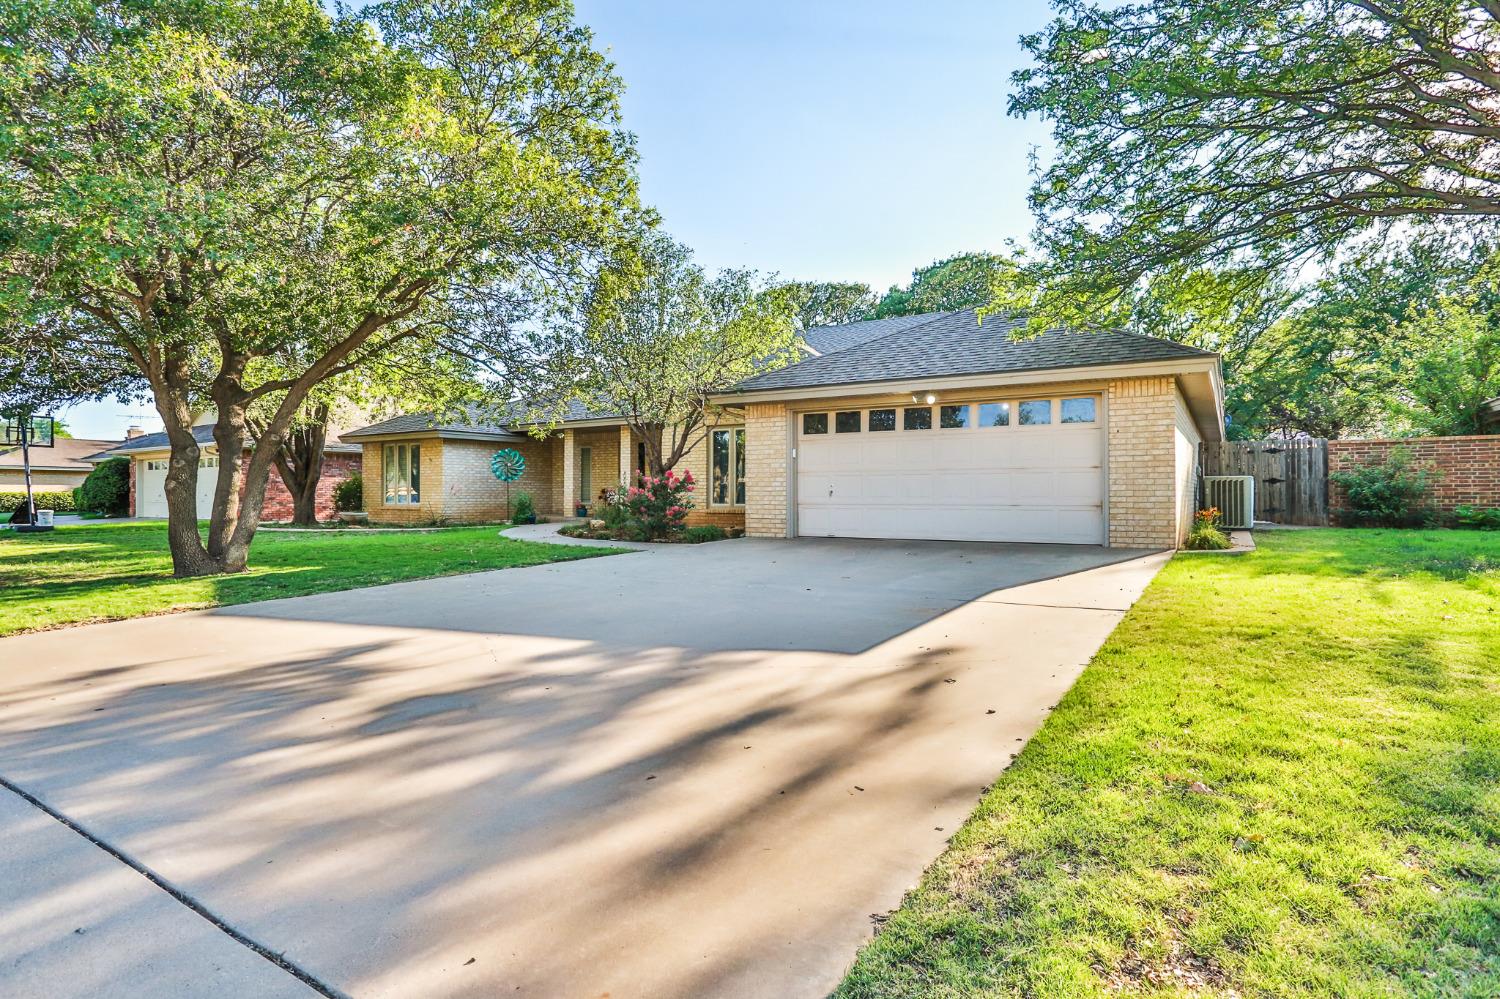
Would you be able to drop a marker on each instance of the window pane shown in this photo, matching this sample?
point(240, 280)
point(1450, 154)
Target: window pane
point(815, 423)
point(882, 419)
point(917, 419)
point(739, 466)
point(388, 466)
point(401, 475)
point(953, 417)
point(994, 414)
point(1078, 410)
point(847, 423)
point(416, 474)
point(1036, 412)
point(719, 487)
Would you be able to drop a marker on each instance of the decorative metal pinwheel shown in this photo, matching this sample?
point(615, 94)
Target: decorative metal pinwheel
point(508, 465)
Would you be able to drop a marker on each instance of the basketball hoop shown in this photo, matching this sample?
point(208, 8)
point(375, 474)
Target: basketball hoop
point(29, 431)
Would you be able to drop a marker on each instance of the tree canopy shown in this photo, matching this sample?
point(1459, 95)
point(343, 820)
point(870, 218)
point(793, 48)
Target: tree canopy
point(247, 198)
point(663, 336)
point(829, 303)
point(1250, 135)
point(957, 282)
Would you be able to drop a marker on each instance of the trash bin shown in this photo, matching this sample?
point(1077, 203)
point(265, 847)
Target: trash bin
point(44, 518)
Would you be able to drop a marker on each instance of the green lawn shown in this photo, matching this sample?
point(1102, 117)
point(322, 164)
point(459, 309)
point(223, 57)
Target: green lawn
point(109, 571)
point(1336, 697)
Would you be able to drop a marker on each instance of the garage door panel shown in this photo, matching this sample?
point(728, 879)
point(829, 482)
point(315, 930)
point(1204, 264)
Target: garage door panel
point(983, 484)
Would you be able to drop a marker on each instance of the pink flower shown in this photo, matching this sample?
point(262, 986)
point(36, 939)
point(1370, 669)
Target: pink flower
point(687, 476)
point(689, 487)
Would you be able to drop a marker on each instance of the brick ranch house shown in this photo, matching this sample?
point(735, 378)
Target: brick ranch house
point(149, 453)
point(920, 427)
point(58, 468)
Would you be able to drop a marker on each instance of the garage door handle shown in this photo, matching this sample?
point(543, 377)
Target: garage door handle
point(830, 492)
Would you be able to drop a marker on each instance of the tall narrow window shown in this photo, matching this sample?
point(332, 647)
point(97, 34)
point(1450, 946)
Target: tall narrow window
point(586, 474)
point(727, 467)
point(401, 466)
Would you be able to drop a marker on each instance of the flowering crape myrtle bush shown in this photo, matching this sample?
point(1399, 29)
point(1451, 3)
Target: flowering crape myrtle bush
point(660, 503)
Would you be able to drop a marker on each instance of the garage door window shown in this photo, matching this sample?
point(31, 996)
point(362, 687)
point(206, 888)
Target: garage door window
point(1078, 410)
point(728, 485)
point(1036, 412)
point(953, 417)
point(882, 420)
point(917, 419)
point(402, 466)
point(847, 423)
point(815, 423)
point(994, 414)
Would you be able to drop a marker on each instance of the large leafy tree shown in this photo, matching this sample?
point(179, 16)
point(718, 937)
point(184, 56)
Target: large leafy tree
point(957, 282)
point(829, 303)
point(663, 336)
point(1251, 134)
point(248, 198)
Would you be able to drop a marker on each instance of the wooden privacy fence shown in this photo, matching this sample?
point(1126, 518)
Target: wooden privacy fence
point(1291, 477)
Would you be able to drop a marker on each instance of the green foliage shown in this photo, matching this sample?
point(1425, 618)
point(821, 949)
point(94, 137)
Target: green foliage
point(1249, 134)
point(959, 282)
point(663, 336)
point(349, 494)
point(1206, 535)
point(61, 501)
point(246, 199)
point(1394, 493)
point(107, 489)
point(615, 515)
point(523, 508)
point(659, 505)
point(704, 532)
point(1476, 519)
point(828, 303)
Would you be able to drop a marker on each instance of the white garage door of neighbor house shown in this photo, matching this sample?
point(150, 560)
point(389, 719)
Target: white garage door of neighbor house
point(152, 501)
point(1011, 469)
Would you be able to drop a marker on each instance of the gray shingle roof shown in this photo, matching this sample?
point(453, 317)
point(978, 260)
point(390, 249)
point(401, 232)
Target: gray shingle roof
point(203, 434)
point(831, 339)
point(956, 343)
point(414, 423)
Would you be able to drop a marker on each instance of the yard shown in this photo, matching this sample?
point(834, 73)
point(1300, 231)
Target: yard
point(110, 571)
point(1278, 777)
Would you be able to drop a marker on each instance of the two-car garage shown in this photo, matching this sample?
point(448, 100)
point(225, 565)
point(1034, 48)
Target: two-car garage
point(999, 468)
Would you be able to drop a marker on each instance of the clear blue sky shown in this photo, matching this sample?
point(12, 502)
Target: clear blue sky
point(821, 139)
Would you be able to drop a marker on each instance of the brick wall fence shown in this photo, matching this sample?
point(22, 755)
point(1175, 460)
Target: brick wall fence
point(1469, 467)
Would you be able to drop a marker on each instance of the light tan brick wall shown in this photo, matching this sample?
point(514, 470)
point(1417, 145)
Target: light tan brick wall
point(1143, 482)
point(604, 466)
point(1186, 439)
point(472, 494)
point(698, 460)
point(48, 481)
point(429, 507)
point(766, 464)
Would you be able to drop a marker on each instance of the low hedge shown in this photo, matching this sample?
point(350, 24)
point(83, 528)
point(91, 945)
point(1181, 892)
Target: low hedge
point(62, 502)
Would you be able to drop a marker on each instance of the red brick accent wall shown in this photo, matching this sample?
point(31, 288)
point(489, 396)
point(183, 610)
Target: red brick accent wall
point(135, 469)
point(336, 468)
point(1469, 466)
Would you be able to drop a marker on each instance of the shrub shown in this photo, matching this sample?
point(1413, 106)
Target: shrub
point(62, 502)
point(523, 509)
point(703, 532)
point(107, 489)
point(660, 504)
point(349, 494)
point(1206, 535)
point(1394, 493)
point(1476, 519)
point(615, 514)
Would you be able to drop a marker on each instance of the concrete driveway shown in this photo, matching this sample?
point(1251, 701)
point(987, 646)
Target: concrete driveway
point(682, 772)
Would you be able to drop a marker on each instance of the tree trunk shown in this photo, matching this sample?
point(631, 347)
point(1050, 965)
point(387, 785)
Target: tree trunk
point(299, 462)
point(189, 556)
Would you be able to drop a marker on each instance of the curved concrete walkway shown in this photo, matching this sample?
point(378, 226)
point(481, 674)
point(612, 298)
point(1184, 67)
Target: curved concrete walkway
point(548, 533)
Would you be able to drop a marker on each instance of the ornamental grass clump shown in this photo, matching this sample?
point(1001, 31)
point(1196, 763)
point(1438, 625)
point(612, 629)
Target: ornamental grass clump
point(1206, 536)
point(659, 505)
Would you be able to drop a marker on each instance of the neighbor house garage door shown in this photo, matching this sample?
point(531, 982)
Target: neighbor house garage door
point(1011, 469)
point(151, 500)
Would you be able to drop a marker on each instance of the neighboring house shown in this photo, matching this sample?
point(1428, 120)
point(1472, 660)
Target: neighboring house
point(934, 426)
point(1490, 415)
point(58, 468)
point(149, 454)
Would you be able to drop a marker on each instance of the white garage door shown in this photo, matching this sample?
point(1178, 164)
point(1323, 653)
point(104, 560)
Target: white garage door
point(1014, 469)
point(151, 500)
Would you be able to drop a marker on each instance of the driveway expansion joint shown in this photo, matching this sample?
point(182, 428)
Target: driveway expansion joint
point(177, 894)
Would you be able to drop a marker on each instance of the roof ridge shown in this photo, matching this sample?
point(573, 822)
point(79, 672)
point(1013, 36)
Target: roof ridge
point(935, 317)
